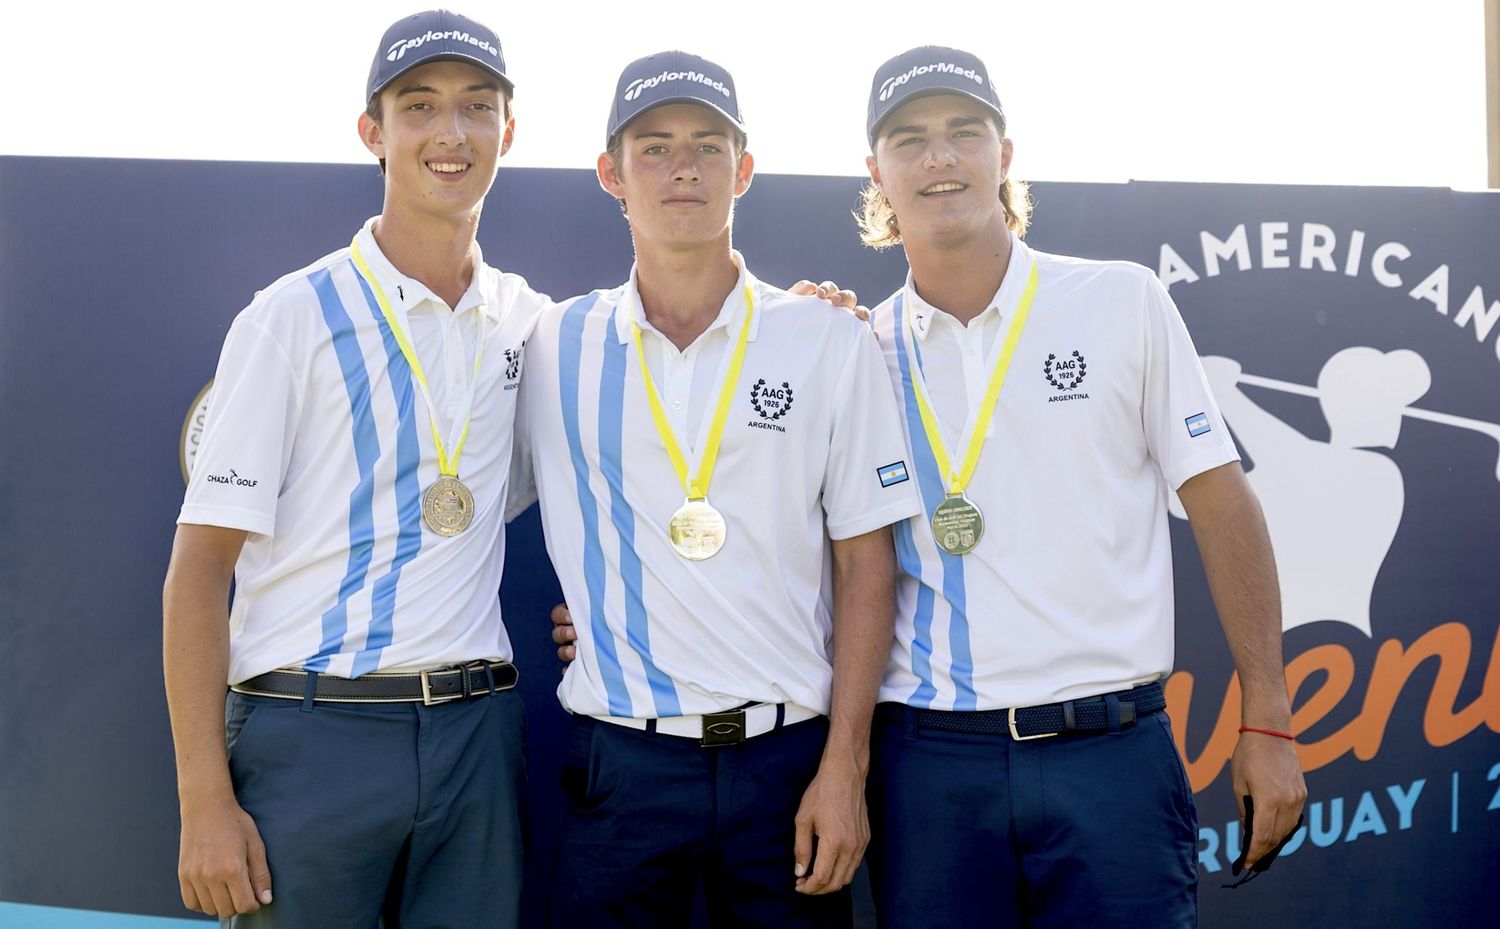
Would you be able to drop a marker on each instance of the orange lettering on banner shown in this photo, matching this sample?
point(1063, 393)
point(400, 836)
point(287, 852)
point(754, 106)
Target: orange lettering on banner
point(1443, 723)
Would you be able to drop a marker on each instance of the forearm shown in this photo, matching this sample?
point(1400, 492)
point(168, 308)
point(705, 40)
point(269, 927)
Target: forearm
point(195, 665)
point(863, 618)
point(1235, 546)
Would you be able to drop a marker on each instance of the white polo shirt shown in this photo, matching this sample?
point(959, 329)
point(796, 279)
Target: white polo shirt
point(317, 443)
point(1105, 407)
point(811, 428)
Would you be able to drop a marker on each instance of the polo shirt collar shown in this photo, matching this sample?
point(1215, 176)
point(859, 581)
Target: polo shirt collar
point(406, 292)
point(730, 314)
point(925, 317)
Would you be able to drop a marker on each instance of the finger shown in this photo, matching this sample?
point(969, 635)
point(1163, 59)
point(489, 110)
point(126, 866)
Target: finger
point(828, 288)
point(567, 653)
point(260, 873)
point(561, 616)
point(803, 288)
point(845, 298)
point(223, 904)
point(825, 866)
point(562, 635)
point(1261, 838)
point(242, 895)
point(802, 848)
point(849, 864)
point(190, 897)
point(863, 312)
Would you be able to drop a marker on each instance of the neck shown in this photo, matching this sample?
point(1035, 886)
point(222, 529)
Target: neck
point(682, 291)
point(436, 250)
point(960, 278)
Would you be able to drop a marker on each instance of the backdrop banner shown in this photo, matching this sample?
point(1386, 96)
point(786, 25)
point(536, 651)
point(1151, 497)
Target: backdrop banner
point(1352, 336)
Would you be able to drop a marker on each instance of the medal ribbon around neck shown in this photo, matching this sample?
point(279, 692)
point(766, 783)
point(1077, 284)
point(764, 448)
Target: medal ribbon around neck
point(973, 442)
point(447, 466)
point(695, 485)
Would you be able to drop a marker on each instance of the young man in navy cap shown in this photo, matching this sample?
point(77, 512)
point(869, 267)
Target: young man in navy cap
point(697, 438)
point(1023, 772)
point(351, 483)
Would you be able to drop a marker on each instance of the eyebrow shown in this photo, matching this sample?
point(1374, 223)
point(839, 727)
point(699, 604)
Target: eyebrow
point(957, 122)
point(701, 134)
point(424, 89)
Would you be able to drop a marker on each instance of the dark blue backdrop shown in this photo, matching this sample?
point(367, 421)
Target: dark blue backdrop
point(120, 279)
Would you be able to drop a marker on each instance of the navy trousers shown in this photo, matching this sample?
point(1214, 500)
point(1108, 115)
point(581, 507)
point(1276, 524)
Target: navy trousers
point(395, 815)
point(982, 832)
point(647, 816)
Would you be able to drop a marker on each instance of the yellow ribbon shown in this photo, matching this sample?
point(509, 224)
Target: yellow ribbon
point(446, 466)
point(958, 480)
point(695, 485)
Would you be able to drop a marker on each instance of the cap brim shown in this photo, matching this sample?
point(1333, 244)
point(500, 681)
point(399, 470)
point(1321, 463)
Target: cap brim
point(476, 61)
point(681, 98)
point(931, 92)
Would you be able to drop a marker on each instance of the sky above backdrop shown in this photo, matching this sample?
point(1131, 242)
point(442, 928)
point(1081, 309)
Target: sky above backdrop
point(1311, 92)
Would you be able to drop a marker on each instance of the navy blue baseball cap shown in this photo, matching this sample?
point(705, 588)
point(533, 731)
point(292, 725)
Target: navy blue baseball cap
point(671, 77)
point(922, 72)
point(436, 35)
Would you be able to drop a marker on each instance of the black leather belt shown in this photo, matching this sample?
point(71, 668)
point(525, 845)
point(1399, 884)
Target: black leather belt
point(1090, 714)
point(475, 679)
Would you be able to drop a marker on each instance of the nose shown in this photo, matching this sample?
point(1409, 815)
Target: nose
point(450, 128)
point(939, 154)
point(685, 166)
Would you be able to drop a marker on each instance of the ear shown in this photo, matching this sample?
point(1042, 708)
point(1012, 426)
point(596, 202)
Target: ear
point(744, 175)
point(609, 176)
point(1006, 151)
point(873, 167)
point(371, 135)
point(508, 137)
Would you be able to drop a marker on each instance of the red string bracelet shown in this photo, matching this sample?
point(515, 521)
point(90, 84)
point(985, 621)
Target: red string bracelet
point(1276, 732)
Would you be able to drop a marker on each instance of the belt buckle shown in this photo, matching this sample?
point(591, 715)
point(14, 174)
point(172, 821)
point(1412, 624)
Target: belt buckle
point(428, 699)
point(1010, 717)
point(727, 728)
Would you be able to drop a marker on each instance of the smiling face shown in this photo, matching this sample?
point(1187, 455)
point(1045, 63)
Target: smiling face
point(677, 169)
point(441, 133)
point(941, 161)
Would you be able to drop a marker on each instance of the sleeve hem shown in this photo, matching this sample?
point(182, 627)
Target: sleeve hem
point(1189, 468)
point(877, 519)
point(227, 518)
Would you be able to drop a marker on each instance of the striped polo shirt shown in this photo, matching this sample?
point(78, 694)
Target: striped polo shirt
point(317, 443)
point(1105, 410)
point(811, 450)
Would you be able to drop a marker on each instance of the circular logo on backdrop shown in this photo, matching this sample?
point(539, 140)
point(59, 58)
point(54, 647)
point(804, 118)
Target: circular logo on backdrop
point(192, 431)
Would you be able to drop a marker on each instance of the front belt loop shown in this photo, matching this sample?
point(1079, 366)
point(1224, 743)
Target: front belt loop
point(310, 691)
point(1070, 720)
point(489, 676)
point(1112, 712)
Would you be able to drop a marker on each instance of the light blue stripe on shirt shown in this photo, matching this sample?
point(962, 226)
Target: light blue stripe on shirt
point(569, 358)
point(611, 425)
point(366, 452)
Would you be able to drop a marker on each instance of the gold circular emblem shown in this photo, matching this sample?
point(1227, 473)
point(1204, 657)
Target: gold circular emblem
point(697, 530)
point(192, 431)
point(957, 525)
point(447, 506)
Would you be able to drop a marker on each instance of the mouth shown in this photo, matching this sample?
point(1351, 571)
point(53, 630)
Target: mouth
point(943, 187)
point(683, 202)
point(449, 170)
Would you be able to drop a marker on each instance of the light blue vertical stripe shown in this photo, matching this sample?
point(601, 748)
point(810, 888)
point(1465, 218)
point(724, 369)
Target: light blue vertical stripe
point(366, 451)
point(408, 493)
point(932, 487)
point(569, 357)
point(26, 916)
point(611, 425)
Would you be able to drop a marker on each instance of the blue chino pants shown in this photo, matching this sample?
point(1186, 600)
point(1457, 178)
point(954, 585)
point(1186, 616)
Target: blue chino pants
point(983, 832)
point(647, 816)
point(397, 815)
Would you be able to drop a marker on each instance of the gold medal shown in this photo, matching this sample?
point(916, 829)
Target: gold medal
point(697, 530)
point(957, 524)
point(447, 506)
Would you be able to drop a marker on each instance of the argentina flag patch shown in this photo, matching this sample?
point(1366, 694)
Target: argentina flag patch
point(892, 474)
point(1197, 424)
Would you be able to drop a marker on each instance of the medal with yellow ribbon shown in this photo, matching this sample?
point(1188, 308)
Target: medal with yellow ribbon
point(697, 530)
point(447, 504)
point(957, 524)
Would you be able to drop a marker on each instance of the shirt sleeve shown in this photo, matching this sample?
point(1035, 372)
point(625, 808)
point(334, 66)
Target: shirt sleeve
point(868, 483)
point(1185, 432)
point(247, 437)
point(520, 488)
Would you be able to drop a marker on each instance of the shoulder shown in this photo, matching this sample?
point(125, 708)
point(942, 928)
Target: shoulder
point(293, 296)
point(575, 312)
point(800, 317)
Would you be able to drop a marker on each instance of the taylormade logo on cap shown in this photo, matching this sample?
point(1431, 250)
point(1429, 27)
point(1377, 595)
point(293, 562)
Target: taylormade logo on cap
point(945, 67)
point(399, 49)
point(640, 85)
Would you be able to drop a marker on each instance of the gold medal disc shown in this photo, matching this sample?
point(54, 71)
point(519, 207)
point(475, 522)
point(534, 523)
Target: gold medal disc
point(957, 525)
point(697, 530)
point(447, 506)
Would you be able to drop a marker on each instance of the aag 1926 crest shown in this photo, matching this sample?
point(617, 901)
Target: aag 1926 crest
point(771, 402)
